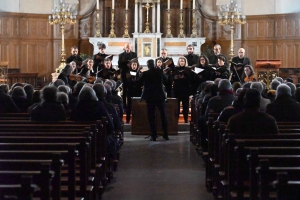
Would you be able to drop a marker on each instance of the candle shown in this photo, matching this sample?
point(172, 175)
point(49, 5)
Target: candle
point(113, 4)
point(168, 4)
point(181, 4)
point(194, 5)
point(97, 4)
point(126, 7)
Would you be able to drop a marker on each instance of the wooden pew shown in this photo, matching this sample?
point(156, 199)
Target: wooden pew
point(23, 190)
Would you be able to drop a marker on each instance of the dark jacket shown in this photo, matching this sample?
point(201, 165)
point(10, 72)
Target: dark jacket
point(284, 109)
point(49, 111)
point(122, 62)
point(213, 59)
point(192, 59)
point(252, 122)
point(153, 85)
point(87, 110)
point(244, 61)
point(98, 61)
point(182, 86)
point(7, 105)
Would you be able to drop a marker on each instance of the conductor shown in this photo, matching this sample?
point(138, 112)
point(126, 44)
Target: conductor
point(154, 95)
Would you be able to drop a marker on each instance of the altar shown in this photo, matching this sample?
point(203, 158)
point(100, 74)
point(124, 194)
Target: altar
point(147, 40)
point(147, 46)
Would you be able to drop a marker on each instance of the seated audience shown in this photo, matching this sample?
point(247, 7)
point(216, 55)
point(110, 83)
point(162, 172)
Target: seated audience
point(297, 94)
point(29, 89)
point(271, 94)
point(101, 93)
point(58, 82)
point(88, 109)
point(263, 102)
point(7, 105)
point(64, 99)
point(284, 108)
point(293, 88)
point(36, 100)
point(50, 109)
point(251, 120)
point(236, 107)
point(20, 98)
point(4, 88)
point(223, 99)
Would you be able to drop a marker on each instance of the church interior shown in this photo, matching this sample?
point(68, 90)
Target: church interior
point(242, 145)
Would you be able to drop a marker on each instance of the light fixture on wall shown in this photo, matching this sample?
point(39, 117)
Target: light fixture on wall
point(231, 15)
point(62, 15)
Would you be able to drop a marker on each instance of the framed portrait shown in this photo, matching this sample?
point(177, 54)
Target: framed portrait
point(147, 50)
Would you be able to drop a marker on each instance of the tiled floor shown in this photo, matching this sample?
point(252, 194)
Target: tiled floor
point(161, 170)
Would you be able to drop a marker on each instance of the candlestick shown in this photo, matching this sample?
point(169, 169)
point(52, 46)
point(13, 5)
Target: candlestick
point(97, 4)
point(113, 4)
point(194, 4)
point(180, 4)
point(168, 4)
point(126, 7)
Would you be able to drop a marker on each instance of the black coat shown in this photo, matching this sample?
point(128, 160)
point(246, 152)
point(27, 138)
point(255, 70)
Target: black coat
point(122, 62)
point(49, 111)
point(7, 105)
point(244, 61)
point(213, 59)
point(76, 59)
point(192, 59)
point(153, 85)
point(284, 109)
point(98, 61)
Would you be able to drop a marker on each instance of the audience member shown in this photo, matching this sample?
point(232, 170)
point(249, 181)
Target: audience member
point(252, 121)
point(263, 102)
point(50, 109)
point(7, 105)
point(223, 99)
point(284, 108)
point(20, 98)
point(236, 107)
point(36, 100)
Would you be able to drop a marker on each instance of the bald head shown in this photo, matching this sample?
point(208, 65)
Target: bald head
point(127, 47)
point(241, 53)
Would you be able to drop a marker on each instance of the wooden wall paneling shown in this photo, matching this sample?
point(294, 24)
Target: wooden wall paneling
point(278, 28)
point(56, 53)
point(4, 50)
point(24, 57)
point(24, 26)
point(14, 54)
point(86, 47)
point(278, 53)
point(5, 27)
point(251, 29)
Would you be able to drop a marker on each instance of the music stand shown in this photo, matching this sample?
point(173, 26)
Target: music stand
point(267, 70)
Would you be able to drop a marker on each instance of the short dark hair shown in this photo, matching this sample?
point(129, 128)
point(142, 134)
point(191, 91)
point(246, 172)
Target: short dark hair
point(252, 99)
point(74, 47)
point(150, 63)
point(101, 45)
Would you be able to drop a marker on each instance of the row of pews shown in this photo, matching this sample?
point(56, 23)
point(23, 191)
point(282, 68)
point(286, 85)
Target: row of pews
point(249, 166)
point(54, 160)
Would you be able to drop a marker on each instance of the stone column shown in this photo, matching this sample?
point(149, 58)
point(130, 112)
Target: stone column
point(158, 17)
point(136, 21)
point(153, 18)
point(141, 17)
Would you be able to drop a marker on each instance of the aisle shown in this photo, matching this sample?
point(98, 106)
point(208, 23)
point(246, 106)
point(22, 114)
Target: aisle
point(161, 170)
